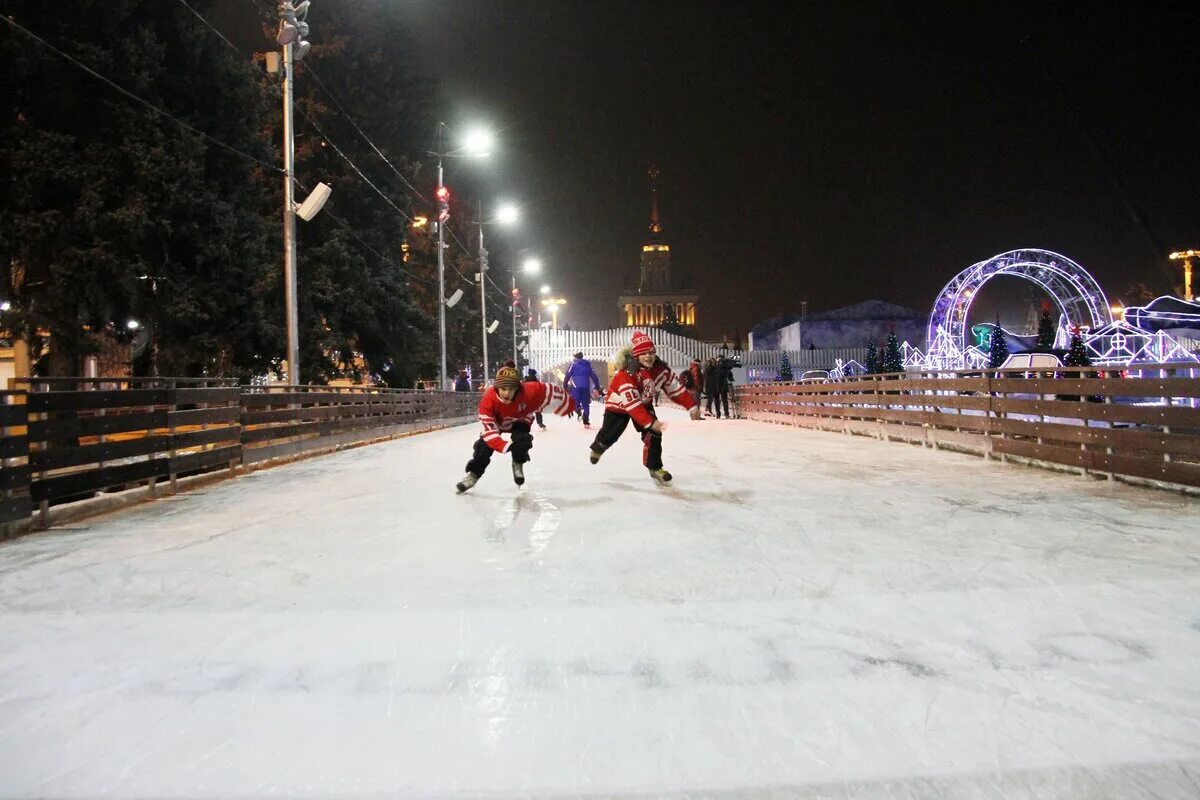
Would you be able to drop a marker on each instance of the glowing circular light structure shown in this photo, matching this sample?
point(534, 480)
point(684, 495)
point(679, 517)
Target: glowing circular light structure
point(1074, 290)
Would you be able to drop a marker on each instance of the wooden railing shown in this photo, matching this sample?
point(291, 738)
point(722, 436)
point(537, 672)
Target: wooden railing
point(66, 439)
point(1093, 420)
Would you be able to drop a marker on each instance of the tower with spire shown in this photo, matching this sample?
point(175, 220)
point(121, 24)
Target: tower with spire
point(658, 297)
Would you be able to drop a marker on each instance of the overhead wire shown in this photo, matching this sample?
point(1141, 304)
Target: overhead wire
point(162, 112)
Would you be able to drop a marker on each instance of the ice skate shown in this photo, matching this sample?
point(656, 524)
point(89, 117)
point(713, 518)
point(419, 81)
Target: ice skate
point(661, 476)
point(587, 424)
point(467, 482)
point(594, 456)
point(518, 473)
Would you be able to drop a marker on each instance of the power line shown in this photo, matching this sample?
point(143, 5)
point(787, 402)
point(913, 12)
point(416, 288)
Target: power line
point(308, 68)
point(133, 96)
point(200, 17)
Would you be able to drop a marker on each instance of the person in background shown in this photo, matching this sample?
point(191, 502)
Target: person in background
point(725, 387)
point(531, 377)
point(583, 383)
point(712, 375)
point(461, 384)
point(695, 377)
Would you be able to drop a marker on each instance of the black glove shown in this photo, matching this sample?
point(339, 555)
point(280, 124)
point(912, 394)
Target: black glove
point(522, 443)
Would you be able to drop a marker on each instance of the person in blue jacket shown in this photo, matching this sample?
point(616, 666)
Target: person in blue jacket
point(579, 375)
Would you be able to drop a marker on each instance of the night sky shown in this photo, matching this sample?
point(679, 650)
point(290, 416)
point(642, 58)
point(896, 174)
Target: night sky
point(827, 154)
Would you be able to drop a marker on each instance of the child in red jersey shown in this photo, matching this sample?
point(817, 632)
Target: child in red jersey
point(639, 375)
point(510, 407)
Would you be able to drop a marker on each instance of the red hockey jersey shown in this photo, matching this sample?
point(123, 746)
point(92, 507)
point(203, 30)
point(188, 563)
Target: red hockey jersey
point(498, 417)
point(632, 394)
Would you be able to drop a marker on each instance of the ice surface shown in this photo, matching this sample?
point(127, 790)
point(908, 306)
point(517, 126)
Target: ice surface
point(803, 614)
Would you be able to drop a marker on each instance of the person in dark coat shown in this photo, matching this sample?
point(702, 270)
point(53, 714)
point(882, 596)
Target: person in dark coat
point(461, 384)
point(712, 390)
point(725, 387)
point(531, 377)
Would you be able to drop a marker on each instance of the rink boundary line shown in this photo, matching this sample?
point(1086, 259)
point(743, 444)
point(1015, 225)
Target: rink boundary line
point(136, 496)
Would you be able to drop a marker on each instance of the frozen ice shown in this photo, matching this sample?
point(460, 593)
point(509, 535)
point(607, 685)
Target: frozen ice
point(802, 614)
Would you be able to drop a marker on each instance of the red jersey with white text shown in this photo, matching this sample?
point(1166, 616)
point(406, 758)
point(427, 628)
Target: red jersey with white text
point(498, 417)
point(633, 394)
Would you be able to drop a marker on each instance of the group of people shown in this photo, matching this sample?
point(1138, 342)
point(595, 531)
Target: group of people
point(711, 380)
point(511, 406)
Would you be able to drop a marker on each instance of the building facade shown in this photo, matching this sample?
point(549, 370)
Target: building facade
point(659, 297)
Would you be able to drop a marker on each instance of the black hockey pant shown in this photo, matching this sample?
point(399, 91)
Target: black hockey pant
point(483, 453)
point(614, 425)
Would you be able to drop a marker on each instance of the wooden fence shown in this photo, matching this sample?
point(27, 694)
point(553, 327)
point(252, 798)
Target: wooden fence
point(1097, 421)
point(68, 439)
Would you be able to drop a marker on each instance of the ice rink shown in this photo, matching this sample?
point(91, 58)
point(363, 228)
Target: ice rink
point(802, 615)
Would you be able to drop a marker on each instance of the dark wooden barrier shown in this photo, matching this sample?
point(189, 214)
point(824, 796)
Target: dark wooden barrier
point(15, 505)
point(1138, 424)
point(87, 435)
point(67, 439)
point(283, 421)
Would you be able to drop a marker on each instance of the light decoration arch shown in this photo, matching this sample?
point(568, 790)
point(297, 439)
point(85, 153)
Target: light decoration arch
point(1079, 297)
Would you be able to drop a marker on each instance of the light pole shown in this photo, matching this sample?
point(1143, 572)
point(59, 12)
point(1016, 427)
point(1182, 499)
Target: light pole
point(292, 30)
point(1186, 256)
point(554, 303)
point(477, 144)
point(506, 215)
point(532, 266)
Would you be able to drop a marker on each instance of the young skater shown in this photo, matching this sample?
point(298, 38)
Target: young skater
point(639, 374)
point(581, 378)
point(509, 407)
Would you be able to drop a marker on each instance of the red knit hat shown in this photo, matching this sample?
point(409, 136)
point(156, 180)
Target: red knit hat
point(641, 344)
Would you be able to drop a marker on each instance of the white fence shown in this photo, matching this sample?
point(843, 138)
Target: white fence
point(550, 349)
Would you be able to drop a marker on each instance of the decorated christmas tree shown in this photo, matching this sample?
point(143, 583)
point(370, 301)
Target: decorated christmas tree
point(1045, 332)
point(998, 349)
point(892, 360)
point(1078, 356)
point(785, 369)
point(872, 365)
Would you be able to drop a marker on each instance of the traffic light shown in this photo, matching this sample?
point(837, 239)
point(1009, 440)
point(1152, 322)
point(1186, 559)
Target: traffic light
point(516, 296)
point(443, 203)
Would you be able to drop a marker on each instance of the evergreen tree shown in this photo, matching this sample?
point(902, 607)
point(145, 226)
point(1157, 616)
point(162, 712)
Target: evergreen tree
point(1077, 356)
point(892, 358)
point(1045, 331)
point(872, 365)
point(114, 211)
point(785, 369)
point(997, 347)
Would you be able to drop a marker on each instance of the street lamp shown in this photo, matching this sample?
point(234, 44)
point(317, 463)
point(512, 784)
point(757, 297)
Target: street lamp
point(531, 266)
point(554, 303)
point(506, 215)
point(476, 144)
point(1186, 256)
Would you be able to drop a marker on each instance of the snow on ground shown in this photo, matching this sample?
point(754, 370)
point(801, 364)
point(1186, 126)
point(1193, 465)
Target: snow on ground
point(804, 614)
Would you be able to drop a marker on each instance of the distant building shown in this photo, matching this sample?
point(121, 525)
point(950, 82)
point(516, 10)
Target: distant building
point(851, 326)
point(658, 295)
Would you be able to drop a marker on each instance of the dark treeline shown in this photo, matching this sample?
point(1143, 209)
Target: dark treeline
point(114, 212)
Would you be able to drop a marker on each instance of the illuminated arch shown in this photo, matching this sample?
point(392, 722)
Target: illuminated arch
point(1078, 295)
